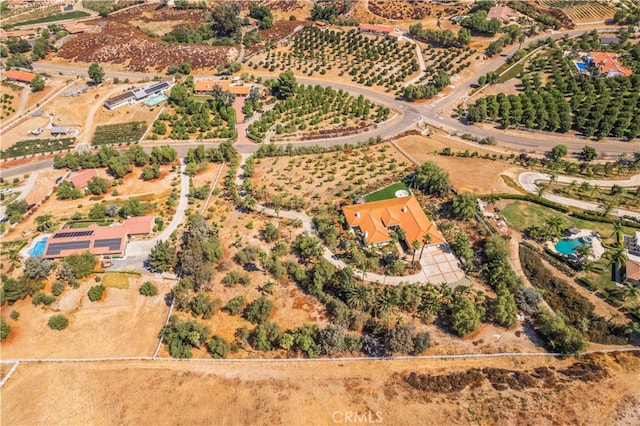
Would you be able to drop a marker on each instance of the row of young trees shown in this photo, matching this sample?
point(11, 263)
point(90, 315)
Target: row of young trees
point(118, 162)
point(595, 106)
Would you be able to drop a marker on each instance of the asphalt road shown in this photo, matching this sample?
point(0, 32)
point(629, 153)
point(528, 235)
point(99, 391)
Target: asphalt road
point(434, 113)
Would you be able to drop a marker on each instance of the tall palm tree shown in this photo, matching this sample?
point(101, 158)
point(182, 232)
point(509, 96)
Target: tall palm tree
point(360, 297)
point(607, 207)
point(541, 190)
point(631, 291)
point(415, 245)
point(584, 252)
point(618, 256)
point(618, 234)
point(555, 224)
point(426, 240)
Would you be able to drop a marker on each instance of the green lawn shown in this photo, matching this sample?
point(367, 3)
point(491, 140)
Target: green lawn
point(512, 73)
point(386, 193)
point(523, 214)
point(116, 280)
point(53, 18)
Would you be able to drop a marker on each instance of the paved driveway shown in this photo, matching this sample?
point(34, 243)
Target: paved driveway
point(441, 266)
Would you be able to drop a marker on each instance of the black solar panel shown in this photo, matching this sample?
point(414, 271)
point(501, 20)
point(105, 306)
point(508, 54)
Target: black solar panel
point(157, 87)
point(111, 243)
point(55, 248)
point(73, 234)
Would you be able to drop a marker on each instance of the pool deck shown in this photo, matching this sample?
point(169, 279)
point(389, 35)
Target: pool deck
point(24, 253)
point(596, 244)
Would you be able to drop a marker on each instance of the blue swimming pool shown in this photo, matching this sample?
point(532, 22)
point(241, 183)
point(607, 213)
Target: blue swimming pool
point(581, 66)
point(568, 246)
point(38, 249)
point(156, 100)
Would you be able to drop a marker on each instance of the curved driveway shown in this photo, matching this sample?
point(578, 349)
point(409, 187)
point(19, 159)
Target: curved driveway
point(528, 181)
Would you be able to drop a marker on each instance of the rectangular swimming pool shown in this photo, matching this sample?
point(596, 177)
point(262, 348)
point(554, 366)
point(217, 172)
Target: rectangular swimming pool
point(581, 66)
point(38, 249)
point(156, 100)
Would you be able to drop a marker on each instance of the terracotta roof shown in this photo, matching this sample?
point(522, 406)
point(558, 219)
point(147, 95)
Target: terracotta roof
point(98, 240)
point(502, 13)
point(139, 225)
point(23, 76)
point(239, 90)
point(81, 179)
point(75, 27)
point(633, 270)
point(377, 28)
point(608, 62)
point(16, 33)
point(374, 218)
point(207, 86)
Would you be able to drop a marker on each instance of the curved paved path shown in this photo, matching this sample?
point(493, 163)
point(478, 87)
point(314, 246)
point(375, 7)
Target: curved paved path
point(421, 277)
point(528, 181)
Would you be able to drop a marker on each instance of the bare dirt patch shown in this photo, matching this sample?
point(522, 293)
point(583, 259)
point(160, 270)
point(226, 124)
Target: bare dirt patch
point(124, 323)
point(311, 393)
point(467, 174)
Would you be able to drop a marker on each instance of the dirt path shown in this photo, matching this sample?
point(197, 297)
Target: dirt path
point(24, 96)
point(88, 124)
point(514, 261)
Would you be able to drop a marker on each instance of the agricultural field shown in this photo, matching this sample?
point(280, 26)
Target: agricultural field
point(20, 15)
point(44, 19)
point(315, 112)
point(122, 133)
point(343, 176)
point(555, 99)
point(581, 11)
point(36, 146)
point(400, 10)
point(368, 60)
point(8, 103)
point(452, 60)
point(139, 52)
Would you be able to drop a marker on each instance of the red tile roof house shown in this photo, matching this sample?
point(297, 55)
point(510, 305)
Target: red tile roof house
point(81, 179)
point(608, 64)
point(139, 225)
point(21, 76)
point(503, 13)
point(98, 240)
point(377, 219)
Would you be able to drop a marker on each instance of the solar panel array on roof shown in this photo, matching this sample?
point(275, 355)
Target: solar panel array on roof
point(157, 88)
point(111, 243)
point(56, 248)
point(72, 234)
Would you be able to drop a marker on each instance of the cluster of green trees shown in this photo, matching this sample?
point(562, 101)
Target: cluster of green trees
point(118, 162)
point(594, 106)
point(15, 210)
point(478, 22)
point(262, 14)
point(37, 269)
point(327, 12)
point(41, 47)
point(577, 311)
point(213, 118)
point(426, 91)
point(443, 38)
point(431, 179)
